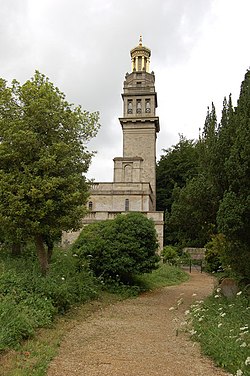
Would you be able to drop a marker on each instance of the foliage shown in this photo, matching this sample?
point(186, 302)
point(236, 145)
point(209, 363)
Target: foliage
point(174, 169)
point(222, 328)
point(28, 300)
point(216, 199)
point(192, 217)
point(33, 357)
point(165, 275)
point(169, 254)
point(234, 211)
point(216, 253)
point(42, 161)
point(118, 249)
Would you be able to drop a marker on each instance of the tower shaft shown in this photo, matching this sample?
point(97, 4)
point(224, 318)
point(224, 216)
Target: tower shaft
point(139, 122)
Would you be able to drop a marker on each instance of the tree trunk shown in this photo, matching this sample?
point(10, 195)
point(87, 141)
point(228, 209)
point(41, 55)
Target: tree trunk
point(16, 249)
point(50, 246)
point(42, 254)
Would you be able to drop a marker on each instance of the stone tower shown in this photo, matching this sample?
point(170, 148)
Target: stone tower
point(139, 123)
point(133, 186)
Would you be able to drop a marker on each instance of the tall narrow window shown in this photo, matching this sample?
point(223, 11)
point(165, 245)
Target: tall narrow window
point(130, 106)
point(90, 205)
point(128, 173)
point(138, 106)
point(148, 108)
point(139, 63)
point(126, 204)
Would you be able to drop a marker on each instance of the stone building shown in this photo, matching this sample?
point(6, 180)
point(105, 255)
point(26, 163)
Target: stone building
point(134, 183)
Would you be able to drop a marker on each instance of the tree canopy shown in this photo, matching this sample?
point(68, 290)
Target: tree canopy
point(119, 249)
point(215, 197)
point(176, 166)
point(43, 159)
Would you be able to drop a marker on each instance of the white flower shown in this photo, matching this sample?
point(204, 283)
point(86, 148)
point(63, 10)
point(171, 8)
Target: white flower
point(243, 344)
point(200, 319)
point(192, 332)
point(247, 361)
point(216, 296)
point(219, 325)
point(218, 289)
point(171, 309)
point(244, 327)
point(187, 312)
point(63, 279)
point(239, 293)
point(239, 373)
point(223, 314)
point(194, 294)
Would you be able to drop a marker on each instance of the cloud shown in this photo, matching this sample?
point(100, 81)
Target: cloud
point(199, 54)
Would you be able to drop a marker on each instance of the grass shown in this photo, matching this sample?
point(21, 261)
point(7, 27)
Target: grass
point(166, 275)
point(32, 356)
point(222, 328)
point(29, 301)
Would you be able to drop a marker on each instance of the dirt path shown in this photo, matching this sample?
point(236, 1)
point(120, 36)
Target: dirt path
point(137, 337)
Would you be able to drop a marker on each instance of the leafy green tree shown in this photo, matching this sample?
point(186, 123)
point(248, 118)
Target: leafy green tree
point(216, 253)
point(43, 158)
point(175, 167)
point(119, 249)
point(191, 221)
point(234, 212)
point(225, 139)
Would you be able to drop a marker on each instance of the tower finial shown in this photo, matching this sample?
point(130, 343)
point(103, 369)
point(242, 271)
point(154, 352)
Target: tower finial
point(140, 40)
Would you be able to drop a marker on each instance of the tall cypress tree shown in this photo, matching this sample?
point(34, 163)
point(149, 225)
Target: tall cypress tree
point(234, 211)
point(225, 139)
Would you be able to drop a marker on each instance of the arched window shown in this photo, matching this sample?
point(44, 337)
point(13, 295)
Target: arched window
point(138, 106)
point(148, 109)
point(130, 106)
point(128, 173)
point(90, 205)
point(126, 204)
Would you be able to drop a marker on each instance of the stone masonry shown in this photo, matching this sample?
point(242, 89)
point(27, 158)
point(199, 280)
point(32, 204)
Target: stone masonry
point(134, 184)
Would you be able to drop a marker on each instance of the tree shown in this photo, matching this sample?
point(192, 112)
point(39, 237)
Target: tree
point(191, 221)
point(192, 217)
point(234, 211)
point(174, 169)
point(120, 248)
point(43, 158)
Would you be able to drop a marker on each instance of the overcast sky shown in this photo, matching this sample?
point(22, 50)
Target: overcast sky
point(200, 53)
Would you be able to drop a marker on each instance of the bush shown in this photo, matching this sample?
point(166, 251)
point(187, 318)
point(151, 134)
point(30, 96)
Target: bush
point(118, 249)
point(170, 255)
point(215, 253)
point(29, 300)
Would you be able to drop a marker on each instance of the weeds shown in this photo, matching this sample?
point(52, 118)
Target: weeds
point(33, 356)
point(29, 301)
point(222, 328)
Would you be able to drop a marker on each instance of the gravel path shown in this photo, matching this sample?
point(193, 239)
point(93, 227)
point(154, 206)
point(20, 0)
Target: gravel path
point(138, 337)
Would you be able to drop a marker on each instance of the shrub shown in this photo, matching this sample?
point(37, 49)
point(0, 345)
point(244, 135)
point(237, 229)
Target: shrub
point(215, 253)
point(29, 300)
point(170, 255)
point(120, 248)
